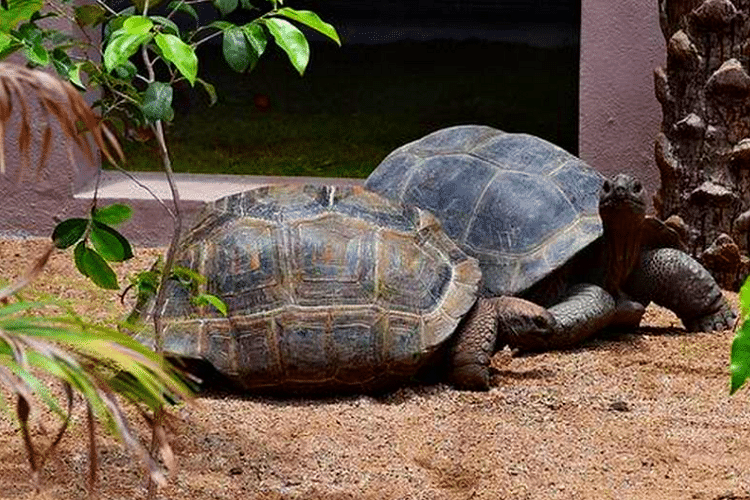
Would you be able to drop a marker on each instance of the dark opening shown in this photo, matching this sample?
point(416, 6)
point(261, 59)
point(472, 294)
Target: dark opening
point(406, 68)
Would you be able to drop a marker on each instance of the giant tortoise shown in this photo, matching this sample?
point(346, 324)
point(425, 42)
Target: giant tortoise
point(328, 289)
point(547, 227)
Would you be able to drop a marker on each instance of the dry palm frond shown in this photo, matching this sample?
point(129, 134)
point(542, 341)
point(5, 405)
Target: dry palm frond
point(101, 364)
point(58, 99)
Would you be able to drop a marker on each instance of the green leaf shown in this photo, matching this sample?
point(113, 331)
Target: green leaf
point(237, 50)
point(78, 253)
point(168, 26)
point(74, 75)
point(247, 5)
point(93, 266)
point(258, 39)
point(745, 298)
point(137, 25)
point(113, 214)
point(90, 15)
point(69, 232)
point(113, 26)
point(157, 102)
point(205, 299)
point(30, 33)
point(121, 47)
point(5, 44)
point(110, 244)
point(147, 282)
point(187, 276)
point(311, 20)
point(292, 41)
point(226, 6)
point(18, 10)
point(181, 6)
point(740, 358)
point(210, 90)
point(85, 357)
point(180, 54)
point(222, 25)
point(126, 70)
point(739, 366)
point(62, 62)
point(37, 54)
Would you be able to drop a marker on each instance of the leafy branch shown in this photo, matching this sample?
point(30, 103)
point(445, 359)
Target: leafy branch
point(138, 98)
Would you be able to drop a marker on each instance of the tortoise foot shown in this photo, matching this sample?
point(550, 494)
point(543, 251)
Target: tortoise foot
point(722, 320)
point(627, 315)
point(471, 377)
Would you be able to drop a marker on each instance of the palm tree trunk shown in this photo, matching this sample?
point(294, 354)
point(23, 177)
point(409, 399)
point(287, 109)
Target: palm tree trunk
point(703, 149)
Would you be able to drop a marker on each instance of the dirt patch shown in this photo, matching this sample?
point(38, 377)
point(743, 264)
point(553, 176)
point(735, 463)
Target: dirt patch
point(641, 415)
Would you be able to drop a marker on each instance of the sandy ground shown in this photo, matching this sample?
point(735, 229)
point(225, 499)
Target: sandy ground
point(643, 415)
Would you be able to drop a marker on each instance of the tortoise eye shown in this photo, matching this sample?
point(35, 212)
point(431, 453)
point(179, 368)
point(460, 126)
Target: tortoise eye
point(607, 187)
point(637, 187)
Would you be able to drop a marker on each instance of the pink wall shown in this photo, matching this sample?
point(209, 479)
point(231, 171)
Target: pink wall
point(32, 204)
point(621, 44)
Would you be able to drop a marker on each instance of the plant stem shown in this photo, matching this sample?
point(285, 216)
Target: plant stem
point(177, 219)
point(166, 272)
point(161, 295)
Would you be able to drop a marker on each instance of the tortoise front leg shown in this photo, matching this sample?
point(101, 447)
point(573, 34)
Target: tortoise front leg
point(585, 310)
point(490, 325)
point(675, 280)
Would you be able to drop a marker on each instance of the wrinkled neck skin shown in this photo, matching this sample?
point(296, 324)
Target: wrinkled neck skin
point(623, 228)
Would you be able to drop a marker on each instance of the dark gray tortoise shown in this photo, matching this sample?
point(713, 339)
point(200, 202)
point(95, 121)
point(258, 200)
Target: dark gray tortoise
point(547, 227)
point(328, 289)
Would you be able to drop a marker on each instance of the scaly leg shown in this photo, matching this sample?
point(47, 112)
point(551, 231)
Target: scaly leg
point(675, 280)
point(490, 325)
point(584, 311)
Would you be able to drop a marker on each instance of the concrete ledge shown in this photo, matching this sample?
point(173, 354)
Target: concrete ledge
point(151, 225)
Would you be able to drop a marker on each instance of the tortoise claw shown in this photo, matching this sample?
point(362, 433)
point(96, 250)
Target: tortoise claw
point(723, 319)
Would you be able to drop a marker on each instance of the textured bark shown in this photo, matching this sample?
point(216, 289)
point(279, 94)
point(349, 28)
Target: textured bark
point(703, 149)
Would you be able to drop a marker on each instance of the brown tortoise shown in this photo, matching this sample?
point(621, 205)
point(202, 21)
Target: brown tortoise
point(327, 289)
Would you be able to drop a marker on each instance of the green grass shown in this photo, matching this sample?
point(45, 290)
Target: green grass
point(278, 143)
point(356, 104)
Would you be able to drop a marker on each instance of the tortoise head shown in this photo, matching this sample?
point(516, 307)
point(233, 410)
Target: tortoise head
point(622, 200)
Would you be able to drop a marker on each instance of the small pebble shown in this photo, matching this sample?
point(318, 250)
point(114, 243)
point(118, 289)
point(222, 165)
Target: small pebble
point(619, 406)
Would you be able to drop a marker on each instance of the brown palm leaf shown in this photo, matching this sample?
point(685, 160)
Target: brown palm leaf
point(56, 98)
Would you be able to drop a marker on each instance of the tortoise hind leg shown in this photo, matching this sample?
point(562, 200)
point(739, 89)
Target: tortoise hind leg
point(490, 325)
point(675, 280)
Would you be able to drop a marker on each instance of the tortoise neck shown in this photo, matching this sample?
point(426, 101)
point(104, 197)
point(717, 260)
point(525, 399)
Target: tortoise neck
point(622, 249)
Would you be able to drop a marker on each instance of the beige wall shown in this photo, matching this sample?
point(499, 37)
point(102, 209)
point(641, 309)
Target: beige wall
point(621, 44)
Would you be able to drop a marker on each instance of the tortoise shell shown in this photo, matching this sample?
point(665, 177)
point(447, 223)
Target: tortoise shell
point(519, 204)
point(326, 288)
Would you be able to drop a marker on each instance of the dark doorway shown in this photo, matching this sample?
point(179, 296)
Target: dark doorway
point(405, 68)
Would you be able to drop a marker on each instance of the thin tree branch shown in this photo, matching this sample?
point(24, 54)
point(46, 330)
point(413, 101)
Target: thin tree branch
point(135, 180)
